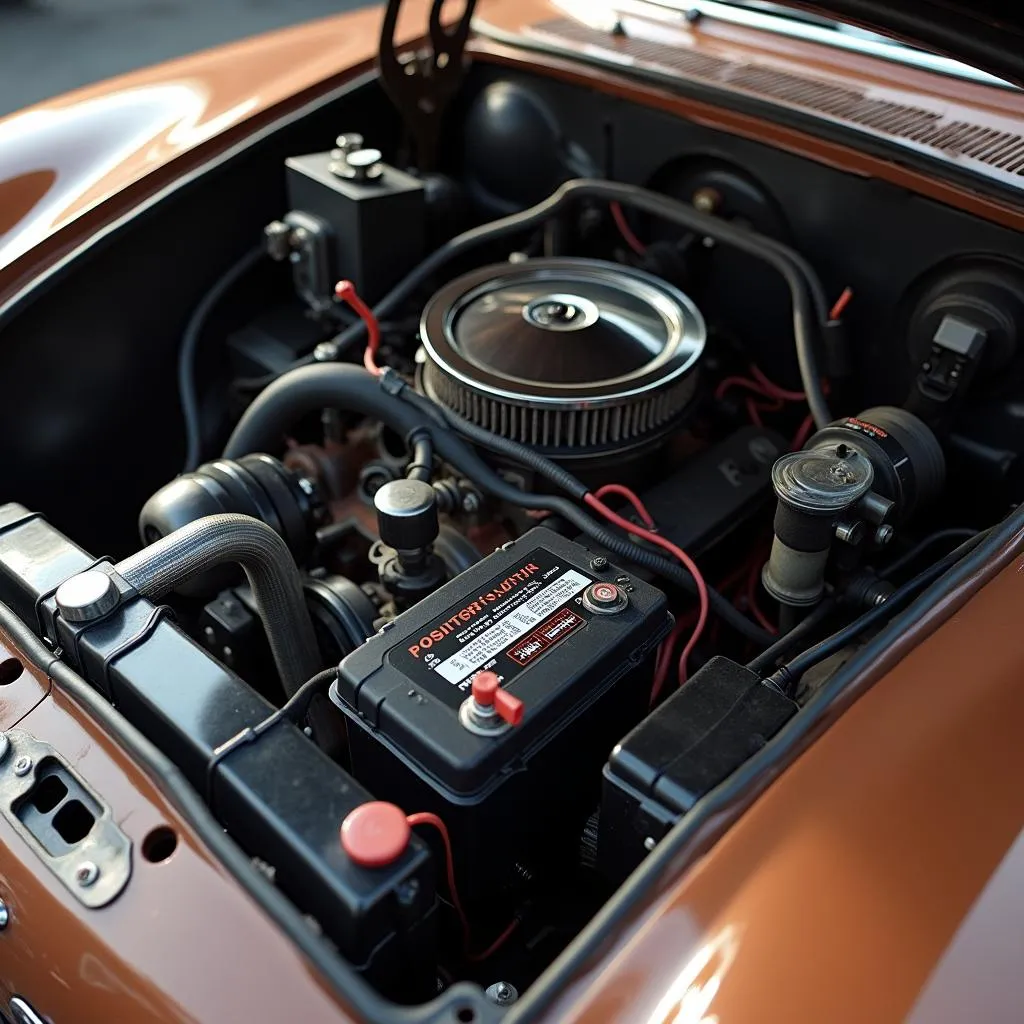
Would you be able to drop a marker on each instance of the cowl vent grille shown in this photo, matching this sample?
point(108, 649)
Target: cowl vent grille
point(996, 152)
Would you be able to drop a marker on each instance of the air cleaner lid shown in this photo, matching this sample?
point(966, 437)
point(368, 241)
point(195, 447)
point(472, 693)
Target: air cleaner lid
point(562, 330)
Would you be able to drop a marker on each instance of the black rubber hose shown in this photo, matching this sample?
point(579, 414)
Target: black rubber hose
point(788, 675)
point(810, 309)
point(785, 645)
point(180, 556)
point(909, 557)
point(421, 466)
point(308, 388)
point(187, 388)
point(522, 454)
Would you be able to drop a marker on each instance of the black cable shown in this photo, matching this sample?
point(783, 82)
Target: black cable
point(187, 387)
point(790, 641)
point(788, 675)
point(246, 385)
point(522, 454)
point(293, 710)
point(908, 557)
point(810, 308)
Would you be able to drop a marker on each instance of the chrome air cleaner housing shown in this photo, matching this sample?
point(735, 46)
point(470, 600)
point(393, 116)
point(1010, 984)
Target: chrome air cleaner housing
point(574, 357)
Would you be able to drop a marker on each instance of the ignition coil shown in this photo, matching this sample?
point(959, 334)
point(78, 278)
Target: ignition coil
point(854, 481)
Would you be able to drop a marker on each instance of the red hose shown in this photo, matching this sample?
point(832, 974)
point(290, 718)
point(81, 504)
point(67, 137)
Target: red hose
point(346, 292)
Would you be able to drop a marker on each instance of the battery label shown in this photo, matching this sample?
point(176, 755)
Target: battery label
point(505, 628)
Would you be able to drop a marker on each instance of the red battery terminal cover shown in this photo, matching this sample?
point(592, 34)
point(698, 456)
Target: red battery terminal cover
point(488, 692)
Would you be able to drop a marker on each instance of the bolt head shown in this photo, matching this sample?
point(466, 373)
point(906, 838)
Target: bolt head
point(599, 563)
point(5, 915)
point(23, 766)
point(86, 874)
point(707, 199)
point(5, 745)
point(349, 141)
point(502, 992)
point(884, 534)
point(325, 352)
point(470, 502)
point(277, 239)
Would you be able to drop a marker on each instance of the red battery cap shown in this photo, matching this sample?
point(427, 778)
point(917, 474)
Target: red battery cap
point(375, 834)
point(487, 691)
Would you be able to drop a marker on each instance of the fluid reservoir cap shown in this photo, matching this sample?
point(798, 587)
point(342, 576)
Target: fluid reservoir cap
point(375, 834)
point(824, 480)
point(406, 514)
point(87, 596)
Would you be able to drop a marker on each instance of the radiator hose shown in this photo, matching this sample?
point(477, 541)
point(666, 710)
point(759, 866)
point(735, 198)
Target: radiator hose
point(163, 566)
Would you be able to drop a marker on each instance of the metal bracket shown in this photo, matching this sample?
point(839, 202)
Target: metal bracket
point(94, 868)
point(304, 240)
point(421, 84)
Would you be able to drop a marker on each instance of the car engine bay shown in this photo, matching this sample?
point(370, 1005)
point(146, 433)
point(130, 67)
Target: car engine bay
point(522, 497)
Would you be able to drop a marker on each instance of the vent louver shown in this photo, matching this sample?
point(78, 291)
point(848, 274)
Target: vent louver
point(998, 153)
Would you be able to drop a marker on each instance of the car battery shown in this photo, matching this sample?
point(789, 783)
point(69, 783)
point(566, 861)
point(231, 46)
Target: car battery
point(495, 702)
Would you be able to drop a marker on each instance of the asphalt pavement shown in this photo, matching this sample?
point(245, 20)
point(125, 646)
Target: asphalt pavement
point(50, 46)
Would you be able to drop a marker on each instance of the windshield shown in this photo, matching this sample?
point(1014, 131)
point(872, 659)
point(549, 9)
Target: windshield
point(779, 18)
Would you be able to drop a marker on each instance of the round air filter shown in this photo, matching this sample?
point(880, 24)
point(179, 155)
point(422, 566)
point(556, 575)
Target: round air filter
point(576, 357)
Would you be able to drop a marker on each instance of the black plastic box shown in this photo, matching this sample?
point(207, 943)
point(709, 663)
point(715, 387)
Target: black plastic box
point(724, 714)
point(521, 797)
point(377, 226)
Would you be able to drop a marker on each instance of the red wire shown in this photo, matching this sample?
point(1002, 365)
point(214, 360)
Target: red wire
point(752, 581)
point(626, 231)
point(841, 303)
point(664, 660)
point(427, 818)
point(773, 389)
point(740, 382)
point(673, 549)
point(800, 437)
point(346, 292)
point(630, 496)
point(496, 944)
point(753, 413)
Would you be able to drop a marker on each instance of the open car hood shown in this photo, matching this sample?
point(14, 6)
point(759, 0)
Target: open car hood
point(987, 34)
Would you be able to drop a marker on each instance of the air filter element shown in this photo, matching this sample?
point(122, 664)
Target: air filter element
point(574, 357)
